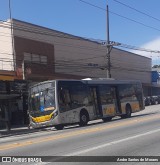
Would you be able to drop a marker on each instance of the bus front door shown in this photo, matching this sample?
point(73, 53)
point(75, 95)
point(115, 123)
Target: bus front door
point(96, 101)
point(116, 101)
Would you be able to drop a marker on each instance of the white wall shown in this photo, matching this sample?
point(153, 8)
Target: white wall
point(6, 55)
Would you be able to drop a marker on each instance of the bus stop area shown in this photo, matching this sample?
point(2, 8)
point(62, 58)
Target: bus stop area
point(13, 104)
point(16, 131)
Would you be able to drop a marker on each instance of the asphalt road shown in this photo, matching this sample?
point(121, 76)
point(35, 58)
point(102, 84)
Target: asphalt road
point(127, 138)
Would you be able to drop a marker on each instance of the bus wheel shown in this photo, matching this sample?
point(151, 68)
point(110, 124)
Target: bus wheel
point(107, 119)
point(59, 127)
point(83, 119)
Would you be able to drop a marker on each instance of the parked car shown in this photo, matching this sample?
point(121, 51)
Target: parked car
point(147, 101)
point(158, 99)
point(154, 100)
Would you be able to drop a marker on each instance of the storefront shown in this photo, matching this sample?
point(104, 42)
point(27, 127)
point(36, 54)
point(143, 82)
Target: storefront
point(13, 103)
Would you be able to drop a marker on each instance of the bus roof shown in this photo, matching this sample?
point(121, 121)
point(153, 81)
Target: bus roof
point(95, 81)
point(112, 81)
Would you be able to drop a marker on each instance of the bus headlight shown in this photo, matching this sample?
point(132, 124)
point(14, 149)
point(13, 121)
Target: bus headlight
point(54, 114)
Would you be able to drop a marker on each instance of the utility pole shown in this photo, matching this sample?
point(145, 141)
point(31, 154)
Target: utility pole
point(109, 48)
point(109, 45)
point(12, 37)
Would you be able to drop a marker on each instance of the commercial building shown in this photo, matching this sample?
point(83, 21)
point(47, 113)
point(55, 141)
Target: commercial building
point(49, 54)
point(31, 53)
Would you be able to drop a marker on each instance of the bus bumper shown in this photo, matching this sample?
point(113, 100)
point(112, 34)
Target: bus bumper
point(49, 123)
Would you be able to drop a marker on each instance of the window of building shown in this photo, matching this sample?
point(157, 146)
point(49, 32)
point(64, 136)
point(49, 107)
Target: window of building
point(35, 58)
point(43, 59)
point(27, 57)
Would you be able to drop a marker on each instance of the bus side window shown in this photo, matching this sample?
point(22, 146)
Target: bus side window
point(64, 99)
point(61, 96)
point(67, 96)
point(64, 96)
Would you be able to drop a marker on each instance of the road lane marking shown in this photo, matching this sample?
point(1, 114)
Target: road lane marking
point(112, 143)
point(102, 146)
point(78, 132)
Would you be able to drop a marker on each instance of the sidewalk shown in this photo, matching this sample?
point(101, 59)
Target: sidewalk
point(16, 131)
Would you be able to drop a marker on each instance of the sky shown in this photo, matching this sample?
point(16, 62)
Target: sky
point(87, 18)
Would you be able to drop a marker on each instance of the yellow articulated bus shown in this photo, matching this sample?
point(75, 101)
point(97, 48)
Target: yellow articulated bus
point(63, 102)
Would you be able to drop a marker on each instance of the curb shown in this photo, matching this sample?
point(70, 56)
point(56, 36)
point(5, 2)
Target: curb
point(16, 132)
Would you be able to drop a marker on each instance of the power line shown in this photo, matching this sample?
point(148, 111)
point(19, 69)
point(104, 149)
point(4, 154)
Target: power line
point(74, 63)
point(79, 66)
point(19, 26)
point(69, 61)
point(118, 44)
point(137, 10)
point(93, 5)
point(137, 48)
point(26, 29)
point(97, 49)
point(64, 36)
point(74, 46)
point(140, 23)
point(51, 34)
point(89, 58)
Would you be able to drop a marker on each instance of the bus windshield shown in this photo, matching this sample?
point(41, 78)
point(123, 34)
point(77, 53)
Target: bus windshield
point(42, 97)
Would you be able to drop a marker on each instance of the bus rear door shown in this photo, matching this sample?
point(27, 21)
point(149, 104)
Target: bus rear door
point(96, 101)
point(116, 101)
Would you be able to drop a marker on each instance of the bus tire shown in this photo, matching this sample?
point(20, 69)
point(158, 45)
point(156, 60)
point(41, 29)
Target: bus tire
point(84, 118)
point(107, 119)
point(59, 127)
